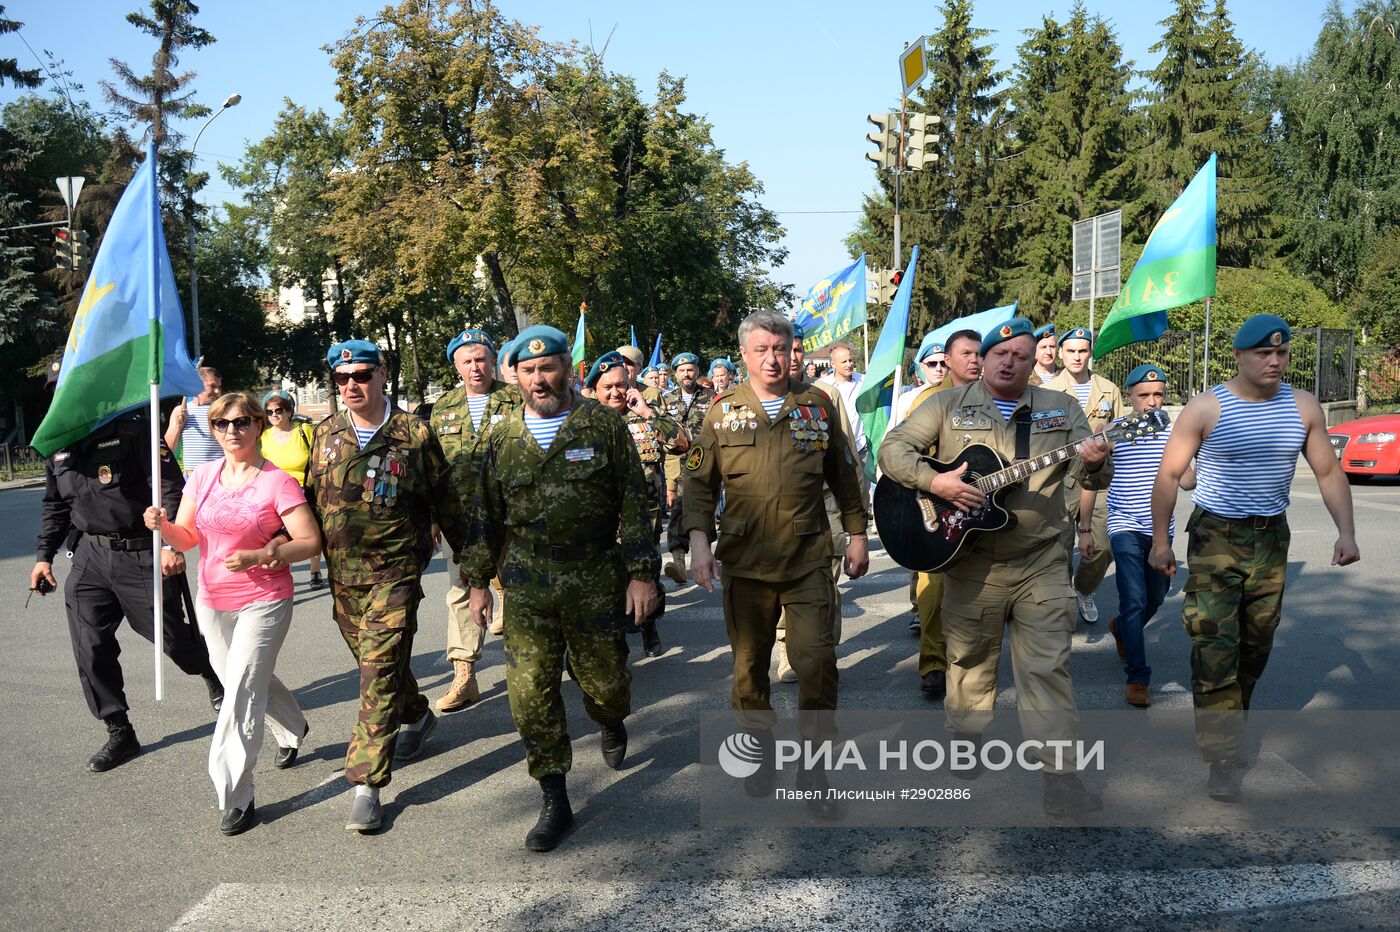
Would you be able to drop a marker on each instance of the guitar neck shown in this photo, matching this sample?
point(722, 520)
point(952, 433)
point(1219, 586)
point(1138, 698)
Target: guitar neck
point(1021, 470)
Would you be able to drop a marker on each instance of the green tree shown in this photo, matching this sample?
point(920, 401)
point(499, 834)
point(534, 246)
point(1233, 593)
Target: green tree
point(9, 67)
point(1073, 131)
point(1373, 304)
point(1340, 151)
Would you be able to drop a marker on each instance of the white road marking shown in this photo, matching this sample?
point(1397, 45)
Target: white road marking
point(710, 655)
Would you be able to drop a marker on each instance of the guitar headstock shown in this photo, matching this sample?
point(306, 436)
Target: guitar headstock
point(1136, 427)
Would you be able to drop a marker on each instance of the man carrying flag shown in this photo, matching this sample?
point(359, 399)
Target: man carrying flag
point(99, 474)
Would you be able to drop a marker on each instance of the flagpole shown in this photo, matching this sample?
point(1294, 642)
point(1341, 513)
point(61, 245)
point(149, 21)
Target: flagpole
point(153, 374)
point(1205, 363)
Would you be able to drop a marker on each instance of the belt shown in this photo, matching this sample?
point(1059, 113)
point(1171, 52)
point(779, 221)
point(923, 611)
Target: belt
point(565, 553)
point(1257, 522)
point(118, 542)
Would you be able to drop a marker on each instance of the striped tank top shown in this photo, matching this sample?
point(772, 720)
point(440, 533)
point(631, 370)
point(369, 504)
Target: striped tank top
point(1246, 465)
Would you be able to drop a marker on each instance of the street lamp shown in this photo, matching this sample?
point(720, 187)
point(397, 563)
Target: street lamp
point(232, 100)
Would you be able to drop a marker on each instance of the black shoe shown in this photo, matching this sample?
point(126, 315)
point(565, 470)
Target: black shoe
point(286, 757)
point(238, 821)
point(555, 815)
point(651, 641)
point(121, 747)
point(411, 742)
point(763, 780)
point(613, 739)
point(915, 627)
point(814, 781)
point(934, 684)
point(216, 691)
point(317, 582)
point(976, 770)
point(1065, 796)
point(1224, 782)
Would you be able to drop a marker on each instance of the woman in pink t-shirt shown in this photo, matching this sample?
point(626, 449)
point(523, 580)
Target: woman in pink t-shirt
point(250, 521)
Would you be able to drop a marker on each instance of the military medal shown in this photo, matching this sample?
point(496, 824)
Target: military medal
point(104, 475)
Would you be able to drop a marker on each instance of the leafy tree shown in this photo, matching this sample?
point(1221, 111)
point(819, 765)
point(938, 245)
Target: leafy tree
point(1373, 305)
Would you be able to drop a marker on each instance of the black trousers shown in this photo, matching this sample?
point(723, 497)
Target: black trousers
point(105, 586)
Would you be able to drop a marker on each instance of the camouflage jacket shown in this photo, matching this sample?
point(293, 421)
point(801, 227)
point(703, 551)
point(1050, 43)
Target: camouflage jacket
point(653, 437)
point(690, 417)
point(377, 506)
point(588, 488)
point(502, 400)
point(462, 444)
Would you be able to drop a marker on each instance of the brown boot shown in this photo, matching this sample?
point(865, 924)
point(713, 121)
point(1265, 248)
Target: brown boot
point(498, 614)
point(675, 570)
point(1138, 696)
point(463, 692)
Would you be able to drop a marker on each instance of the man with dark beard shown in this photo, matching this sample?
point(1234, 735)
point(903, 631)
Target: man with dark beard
point(561, 513)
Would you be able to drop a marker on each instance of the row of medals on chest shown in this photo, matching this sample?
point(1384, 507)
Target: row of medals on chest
point(809, 430)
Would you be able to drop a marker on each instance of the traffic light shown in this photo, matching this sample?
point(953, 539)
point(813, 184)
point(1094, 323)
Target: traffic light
point(919, 151)
point(80, 250)
point(882, 285)
point(886, 139)
point(63, 249)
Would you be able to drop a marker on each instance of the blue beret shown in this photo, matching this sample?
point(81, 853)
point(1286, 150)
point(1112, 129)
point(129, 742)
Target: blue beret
point(682, 358)
point(1078, 333)
point(539, 340)
point(280, 393)
point(724, 362)
point(1043, 331)
point(470, 337)
point(927, 348)
point(645, 372)
point(1007, 330)
point(609, 360)
point(1147, 372)
point(797, 332)
point(503, 358)
point(353, 351)
point(1263, 330)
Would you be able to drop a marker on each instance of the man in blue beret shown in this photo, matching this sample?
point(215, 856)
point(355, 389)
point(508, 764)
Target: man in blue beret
point(722, 372)
point(687, 404)
point(1103, 404)
point(1047, 347)
point(1141, 588)
point(560, 512)
point(461, 422)
point(1245, 436)
point(378, 482)
point(1017, 577)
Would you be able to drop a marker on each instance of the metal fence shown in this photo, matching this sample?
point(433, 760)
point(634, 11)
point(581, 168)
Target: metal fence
point(1323, 361)
point(19, 460)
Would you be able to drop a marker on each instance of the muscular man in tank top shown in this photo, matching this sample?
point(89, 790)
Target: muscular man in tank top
point(1246, 435)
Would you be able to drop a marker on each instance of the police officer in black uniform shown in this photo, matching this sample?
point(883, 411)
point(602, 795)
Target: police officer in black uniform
point(95, 493)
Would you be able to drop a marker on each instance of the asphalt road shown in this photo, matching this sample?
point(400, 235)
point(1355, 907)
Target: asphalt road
point(139, 848)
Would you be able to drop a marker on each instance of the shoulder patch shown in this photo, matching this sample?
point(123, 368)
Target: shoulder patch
point(695, 458)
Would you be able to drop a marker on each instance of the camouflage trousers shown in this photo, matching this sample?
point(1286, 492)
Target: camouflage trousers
point(1233, 596)
point(575, 606)
point(378, 624)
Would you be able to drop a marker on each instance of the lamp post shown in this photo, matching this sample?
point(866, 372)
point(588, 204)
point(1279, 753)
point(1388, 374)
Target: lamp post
point(232, 100)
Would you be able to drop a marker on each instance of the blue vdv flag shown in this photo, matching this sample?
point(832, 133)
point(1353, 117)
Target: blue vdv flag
point(982, 321)
point(634, 336)
point(834, 307)
point(875, 397)
point(656, 358)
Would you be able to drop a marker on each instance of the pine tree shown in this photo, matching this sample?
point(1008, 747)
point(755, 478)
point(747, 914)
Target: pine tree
point(9, 67)
point(1072, 125)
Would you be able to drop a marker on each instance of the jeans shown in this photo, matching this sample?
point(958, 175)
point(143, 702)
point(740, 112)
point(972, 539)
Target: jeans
point(1141, 590)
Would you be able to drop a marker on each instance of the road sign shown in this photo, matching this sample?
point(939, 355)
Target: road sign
point(1097, 257)
point(912, 66)
point(70, 187)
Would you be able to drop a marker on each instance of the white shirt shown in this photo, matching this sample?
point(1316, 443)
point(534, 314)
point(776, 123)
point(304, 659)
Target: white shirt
point(847, 391)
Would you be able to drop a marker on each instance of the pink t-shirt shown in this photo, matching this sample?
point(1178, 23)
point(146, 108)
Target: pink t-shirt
point(241, 519)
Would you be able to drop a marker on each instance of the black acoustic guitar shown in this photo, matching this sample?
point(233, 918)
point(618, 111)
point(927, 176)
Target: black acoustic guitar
point(922, 532)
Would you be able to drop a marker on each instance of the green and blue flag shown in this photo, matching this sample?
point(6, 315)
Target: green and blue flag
point(1177, 267)
point(129, 331)
point(834, 307)
point(875, 399)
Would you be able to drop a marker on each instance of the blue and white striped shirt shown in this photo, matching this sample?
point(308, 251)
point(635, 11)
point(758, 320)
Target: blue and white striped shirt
point(1135, 468)
point(1007, 408)
point(476, 407)
point(1081, 391)
point(198, 445)
point(363, 435)
point(543, 429)
point(771, 408)
point(1246, 465)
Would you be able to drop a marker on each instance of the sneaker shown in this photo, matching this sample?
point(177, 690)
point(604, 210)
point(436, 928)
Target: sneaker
point(786, 674)
point(317, 583)
point(366, 814)
point(1137, 695)
point(412, 738)
point(914, 627)
point(1087, 609)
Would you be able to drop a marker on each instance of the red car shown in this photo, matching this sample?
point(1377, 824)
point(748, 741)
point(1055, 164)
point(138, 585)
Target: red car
point(1368, 446)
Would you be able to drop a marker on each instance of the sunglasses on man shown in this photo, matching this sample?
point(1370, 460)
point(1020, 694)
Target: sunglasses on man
point(361, 377)
point(240, 424)
point(936, 364)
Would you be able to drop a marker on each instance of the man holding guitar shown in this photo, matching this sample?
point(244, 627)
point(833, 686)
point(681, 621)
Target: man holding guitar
point(1018, 576)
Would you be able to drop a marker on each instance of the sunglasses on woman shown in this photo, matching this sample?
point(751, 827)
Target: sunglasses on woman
point(240, 424)
point(272, 411)
point(361, 376)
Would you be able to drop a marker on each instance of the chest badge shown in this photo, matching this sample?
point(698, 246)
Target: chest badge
point(104, 475)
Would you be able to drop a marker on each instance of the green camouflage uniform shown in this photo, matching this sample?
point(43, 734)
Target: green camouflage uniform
point(551, 521)
point(1232, 599)
point(464, 446)
point(691, 418)
point(376, 508)
point(654, 437)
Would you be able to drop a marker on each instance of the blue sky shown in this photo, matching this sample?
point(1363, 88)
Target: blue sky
point(785, 84)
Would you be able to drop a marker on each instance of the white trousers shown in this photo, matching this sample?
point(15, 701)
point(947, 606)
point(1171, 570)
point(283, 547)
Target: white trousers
point(243, 648)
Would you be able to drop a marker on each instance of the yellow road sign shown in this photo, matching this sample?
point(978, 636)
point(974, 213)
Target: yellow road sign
point(912, 66)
